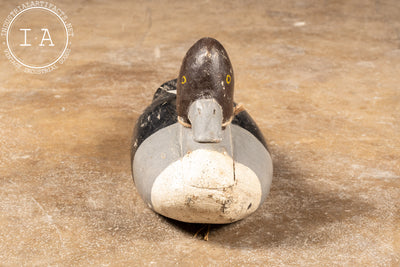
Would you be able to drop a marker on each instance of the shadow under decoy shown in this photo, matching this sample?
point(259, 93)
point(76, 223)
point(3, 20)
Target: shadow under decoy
point(295, 213)
point(196, 230)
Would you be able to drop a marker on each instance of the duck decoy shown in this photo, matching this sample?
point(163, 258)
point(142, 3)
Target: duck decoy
point(196, 155)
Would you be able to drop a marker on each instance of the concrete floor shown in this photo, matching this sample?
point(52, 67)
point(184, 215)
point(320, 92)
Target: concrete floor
point(321, 78)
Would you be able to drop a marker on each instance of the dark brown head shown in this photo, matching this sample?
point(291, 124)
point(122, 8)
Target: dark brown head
point(206, 73)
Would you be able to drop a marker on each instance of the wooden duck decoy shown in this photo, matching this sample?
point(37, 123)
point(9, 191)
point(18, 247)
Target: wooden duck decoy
point(196, 156)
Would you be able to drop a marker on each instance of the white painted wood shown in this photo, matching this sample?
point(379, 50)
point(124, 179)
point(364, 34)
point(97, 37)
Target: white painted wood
point(205, 187)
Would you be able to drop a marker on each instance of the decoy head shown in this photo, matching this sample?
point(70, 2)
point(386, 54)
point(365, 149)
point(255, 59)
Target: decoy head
point(205, 90)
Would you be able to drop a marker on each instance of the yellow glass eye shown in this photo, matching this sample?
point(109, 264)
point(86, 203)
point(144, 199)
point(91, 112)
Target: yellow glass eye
point(183, 80)
point(228, 79)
